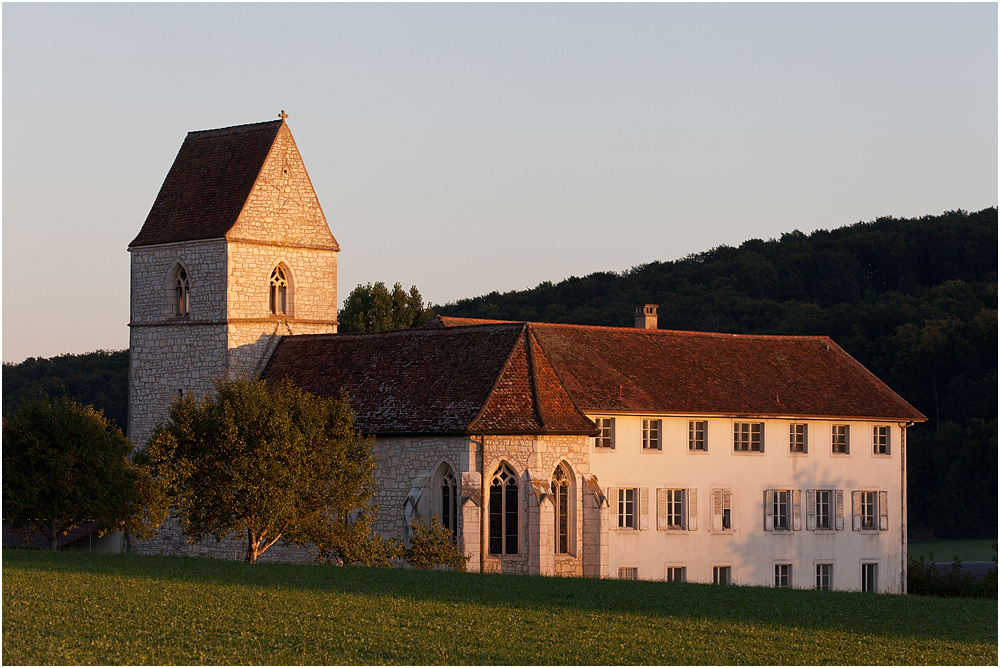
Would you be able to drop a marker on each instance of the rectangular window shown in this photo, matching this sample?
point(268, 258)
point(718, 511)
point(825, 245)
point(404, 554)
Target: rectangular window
point(869, 577)
point(675, 508)
point(606, 439)
point(651, 435)
point(797, 441)
point(782, 575)
point(722, 575)
point(824, 576)
point(676, 574)
point(628, 573)
point(824, 517)
point(780, 509)
point(626, 508)
point(748, 436)
point(698, 435)
point(881, 438)
point(841, 439)
point(869, 510)
point(722, 509)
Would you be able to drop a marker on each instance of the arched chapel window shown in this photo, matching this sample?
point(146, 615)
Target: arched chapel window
point(560, 493)
point(503, 511)
point(279, 291)
point(449, 503)
point(182, 294)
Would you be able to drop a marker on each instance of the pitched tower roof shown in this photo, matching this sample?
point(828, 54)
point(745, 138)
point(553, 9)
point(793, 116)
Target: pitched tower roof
point(213, 178)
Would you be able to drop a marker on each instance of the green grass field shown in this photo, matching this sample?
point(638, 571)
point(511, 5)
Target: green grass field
point(946, 550)
point(73, 608)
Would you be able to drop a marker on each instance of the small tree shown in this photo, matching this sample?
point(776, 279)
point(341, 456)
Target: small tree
point(273, 461)
point(65, 464)
point(433, 545)
point(372, 308)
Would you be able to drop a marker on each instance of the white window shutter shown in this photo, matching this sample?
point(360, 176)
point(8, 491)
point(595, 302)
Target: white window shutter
point(644, 504)
point(613, 498)
point(856, 510)
point(768, 510)
point(811, 510)
point(796, 498)
point(883, 511)
point(661, 510)
point(840, 509)
point(716, 509)
point(692, 504)
point(727, 504)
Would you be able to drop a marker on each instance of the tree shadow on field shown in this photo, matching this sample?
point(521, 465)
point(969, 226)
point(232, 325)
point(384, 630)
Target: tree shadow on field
point(960, 620)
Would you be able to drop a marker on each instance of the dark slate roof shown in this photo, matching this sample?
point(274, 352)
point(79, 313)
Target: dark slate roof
point(533, 378)
point(208, 184)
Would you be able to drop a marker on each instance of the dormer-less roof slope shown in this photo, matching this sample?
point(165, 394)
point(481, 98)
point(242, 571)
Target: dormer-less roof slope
point(208, 184)
point(608, 370)
point(435, 381)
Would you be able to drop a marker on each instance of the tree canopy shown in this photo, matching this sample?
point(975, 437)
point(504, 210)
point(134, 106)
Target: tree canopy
point(372, 308)
point(65, 464)
point(272, 462)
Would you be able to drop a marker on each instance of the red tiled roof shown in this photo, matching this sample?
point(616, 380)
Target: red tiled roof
point(208, 184)
point(610, 369)
point(533, 378)
point(454, 381)
point(443, 321)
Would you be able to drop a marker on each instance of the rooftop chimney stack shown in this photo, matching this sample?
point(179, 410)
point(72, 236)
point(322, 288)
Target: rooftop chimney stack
point(645, 316)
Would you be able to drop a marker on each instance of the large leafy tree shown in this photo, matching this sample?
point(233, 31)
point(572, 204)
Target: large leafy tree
point(272, 462)
point(65, 464)
point(372, 308)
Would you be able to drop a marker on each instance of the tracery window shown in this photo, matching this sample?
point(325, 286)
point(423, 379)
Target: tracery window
point(503, 511)
point(449, 503)
point(560, 492)
point(182, 293)
point(279, 291)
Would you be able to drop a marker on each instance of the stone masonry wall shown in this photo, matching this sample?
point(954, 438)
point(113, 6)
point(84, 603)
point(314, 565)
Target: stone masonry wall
point(169, 353)
point(283, 208)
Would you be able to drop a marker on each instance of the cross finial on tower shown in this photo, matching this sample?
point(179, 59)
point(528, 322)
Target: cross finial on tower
point(282, 115)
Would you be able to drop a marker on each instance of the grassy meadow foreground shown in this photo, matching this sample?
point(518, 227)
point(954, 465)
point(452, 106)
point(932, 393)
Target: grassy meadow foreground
point(72, 608)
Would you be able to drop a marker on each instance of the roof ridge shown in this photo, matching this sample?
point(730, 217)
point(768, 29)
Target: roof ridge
point(536, 404)
point(496, 381)
point(231, 129)
point(555, 371)
point(685, 332)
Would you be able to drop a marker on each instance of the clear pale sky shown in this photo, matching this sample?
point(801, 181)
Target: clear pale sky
point(472, 148)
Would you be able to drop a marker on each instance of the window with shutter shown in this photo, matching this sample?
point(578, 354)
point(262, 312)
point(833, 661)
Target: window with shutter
point(698, 435)
point(881, 440)
point(797, 441)
point(716, 510)
point(841, 439)
point(651, 435)
point(606, 439)
point(675, 508)
point(748, 436)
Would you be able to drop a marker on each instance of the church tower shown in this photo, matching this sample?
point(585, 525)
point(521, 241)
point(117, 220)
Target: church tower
point(234, 253)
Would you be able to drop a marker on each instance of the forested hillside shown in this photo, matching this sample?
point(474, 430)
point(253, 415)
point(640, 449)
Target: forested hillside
point(99, 379)
point(915, 300)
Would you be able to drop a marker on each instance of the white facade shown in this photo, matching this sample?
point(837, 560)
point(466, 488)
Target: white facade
point(700, 544)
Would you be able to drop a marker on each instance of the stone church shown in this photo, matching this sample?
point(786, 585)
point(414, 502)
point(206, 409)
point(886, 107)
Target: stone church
point(547, 449)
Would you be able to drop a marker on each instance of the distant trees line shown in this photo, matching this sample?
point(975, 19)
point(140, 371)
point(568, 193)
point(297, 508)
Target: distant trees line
point(914, 300)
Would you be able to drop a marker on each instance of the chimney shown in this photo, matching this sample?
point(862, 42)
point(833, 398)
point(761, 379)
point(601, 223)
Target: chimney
point(645, 316)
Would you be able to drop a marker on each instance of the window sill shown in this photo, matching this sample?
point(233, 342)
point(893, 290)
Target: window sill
point(798, 454)
point(840, 454)
point(747, 453)
point(722, 532)
point(652, 451)
point(697, 452)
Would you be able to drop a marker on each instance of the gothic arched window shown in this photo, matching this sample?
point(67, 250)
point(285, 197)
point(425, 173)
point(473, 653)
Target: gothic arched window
point(503, 511)
point(279, 291)
point(182, 294)
point(560, 493)
point(449, 502)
